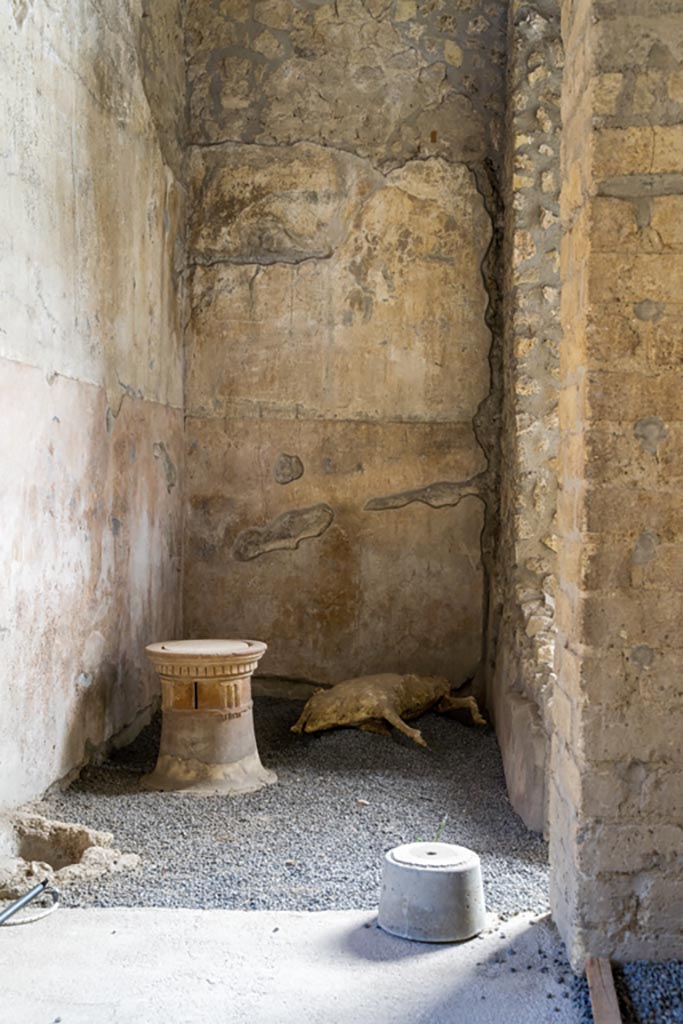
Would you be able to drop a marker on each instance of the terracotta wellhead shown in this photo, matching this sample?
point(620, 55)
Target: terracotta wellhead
point(207, 732)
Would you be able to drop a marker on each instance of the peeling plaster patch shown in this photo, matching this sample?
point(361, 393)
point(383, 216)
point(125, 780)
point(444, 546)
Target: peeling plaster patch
point(84, 680)
point(284, 533)
point(288, 468)
point(650, 431)
point(20, 10)
point(436, 495)
point(642, 656)
point(645, 548)
point(648, 310)
point(258, 211)
point(160, 452)
point(93, 651)
point(329, 466)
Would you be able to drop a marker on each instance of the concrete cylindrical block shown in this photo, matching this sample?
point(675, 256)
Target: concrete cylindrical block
point(207, 731)
point(432, 892)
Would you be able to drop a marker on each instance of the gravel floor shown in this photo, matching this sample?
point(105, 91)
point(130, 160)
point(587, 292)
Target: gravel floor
point(648, 993)
point(315, 840)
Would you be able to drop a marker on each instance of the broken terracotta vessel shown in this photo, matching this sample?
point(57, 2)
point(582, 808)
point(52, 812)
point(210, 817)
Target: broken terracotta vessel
point(207, 732)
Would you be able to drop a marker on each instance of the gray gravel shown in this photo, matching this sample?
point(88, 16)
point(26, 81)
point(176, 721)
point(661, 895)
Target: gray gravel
point(308, 843)
point(648, 993)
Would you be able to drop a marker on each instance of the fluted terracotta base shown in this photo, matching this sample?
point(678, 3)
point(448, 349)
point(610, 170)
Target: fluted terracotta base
point(207, 735)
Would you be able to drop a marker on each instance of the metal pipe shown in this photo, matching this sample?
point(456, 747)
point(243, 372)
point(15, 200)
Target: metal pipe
point(23, 900)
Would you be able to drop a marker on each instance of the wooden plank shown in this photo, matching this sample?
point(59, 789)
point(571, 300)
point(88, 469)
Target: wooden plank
point(603, 994)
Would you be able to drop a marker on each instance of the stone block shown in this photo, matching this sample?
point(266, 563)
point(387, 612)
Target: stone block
point(661, 907)
point(627, 849)
point(567, 659)
point(523, 742)
point(652, 397)
point(666, 570)
point(650, 88)
point(665, 340)
point(620, 151)
point(597, 676)
point(614, 227)
point(648, 735)
point(666, 219)
point(635, 33)
point(629, 512)
point(656, 673)
point(606, 90)
point(633, 617)
point(633, 278)
point(607, 899)
point(612, 941)
point(661, 797)
point(616, 337)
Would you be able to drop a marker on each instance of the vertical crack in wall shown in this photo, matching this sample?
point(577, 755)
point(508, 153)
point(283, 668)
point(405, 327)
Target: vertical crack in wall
point(487, 419)
point(386, 183)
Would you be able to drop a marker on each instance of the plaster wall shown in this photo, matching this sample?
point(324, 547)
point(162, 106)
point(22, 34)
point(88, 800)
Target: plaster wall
point(339, 393)
point(91, 215)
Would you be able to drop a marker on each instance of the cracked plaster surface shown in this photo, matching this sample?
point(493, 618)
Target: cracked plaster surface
point(388, 83)
point(343, 183)
point(92, 214)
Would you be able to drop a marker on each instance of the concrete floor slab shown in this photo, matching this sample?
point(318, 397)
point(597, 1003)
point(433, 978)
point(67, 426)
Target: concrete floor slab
point(147, 966)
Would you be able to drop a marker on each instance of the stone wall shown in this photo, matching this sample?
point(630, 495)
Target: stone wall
point(343, 166)
point(617, 769)
point(90, 374)
point(524, 651)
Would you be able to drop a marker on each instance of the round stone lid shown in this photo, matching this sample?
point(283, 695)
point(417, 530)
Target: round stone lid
point(206, 648)
point(434, 855)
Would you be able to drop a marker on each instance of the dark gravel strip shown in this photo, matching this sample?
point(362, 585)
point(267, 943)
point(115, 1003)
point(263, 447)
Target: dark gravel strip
point(648, 993)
